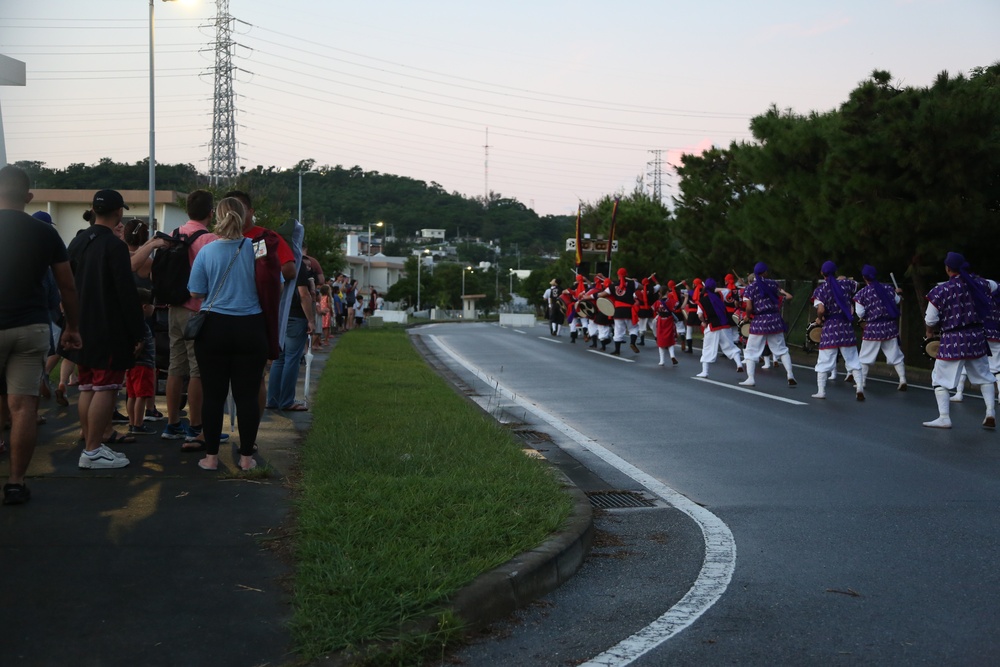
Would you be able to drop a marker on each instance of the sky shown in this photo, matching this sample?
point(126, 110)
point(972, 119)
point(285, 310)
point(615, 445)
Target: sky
point(571, 98)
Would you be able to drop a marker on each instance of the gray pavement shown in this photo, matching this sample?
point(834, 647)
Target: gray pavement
point(159, 563)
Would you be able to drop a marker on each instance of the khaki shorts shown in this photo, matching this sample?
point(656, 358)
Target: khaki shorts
point(182, 359)
point(22, 357)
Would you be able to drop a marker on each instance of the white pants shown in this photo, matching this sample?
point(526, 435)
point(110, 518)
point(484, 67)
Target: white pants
point(756, 343)
point(580, 323)
point(948, 373)
point(592, 327)
point(624, 328)
point(994, 360)
point(827, 360)
point(890, 348)
point(642, 325)
point(603, 331)
point(720, 338)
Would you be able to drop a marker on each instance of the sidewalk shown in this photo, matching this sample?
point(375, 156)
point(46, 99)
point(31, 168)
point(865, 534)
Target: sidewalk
point(159, 563)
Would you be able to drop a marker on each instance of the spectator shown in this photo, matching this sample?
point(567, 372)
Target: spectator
point(359, 313)
point(232, 347)
point(111, 326)
point(28, 248)
point(350, 298)
point(183, 361)
point(285, 369)
point(326, 312)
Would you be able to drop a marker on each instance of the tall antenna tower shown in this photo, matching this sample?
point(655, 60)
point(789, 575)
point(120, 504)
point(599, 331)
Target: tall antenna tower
point(654, 171)
point(486, 186)
point(222, 161)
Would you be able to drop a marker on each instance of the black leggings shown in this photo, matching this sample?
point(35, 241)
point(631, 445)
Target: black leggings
point(231, 351)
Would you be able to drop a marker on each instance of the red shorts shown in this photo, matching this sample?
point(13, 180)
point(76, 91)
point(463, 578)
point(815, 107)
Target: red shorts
point(99, 379)
point(140, 382)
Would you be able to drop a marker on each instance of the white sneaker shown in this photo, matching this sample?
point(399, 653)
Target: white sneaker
point(940, 422)
point(748, 383)
point(103, 458)
point(819, 395)
point(702, 375)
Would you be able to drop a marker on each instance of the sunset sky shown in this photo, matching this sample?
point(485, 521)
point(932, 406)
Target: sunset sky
point(575, 94)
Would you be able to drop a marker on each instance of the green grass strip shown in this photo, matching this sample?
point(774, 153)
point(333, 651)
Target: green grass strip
point(408, 492)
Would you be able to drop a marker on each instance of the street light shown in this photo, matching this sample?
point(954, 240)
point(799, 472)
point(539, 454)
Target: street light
point(152, 126)
point(420, 260)
point(468, 268)
point(377, 224)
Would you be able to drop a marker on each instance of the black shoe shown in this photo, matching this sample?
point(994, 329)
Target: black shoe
point(119, 418)
point(15, 494)
point(634, 348)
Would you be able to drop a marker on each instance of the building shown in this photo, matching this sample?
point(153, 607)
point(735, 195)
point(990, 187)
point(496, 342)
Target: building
point(67, 207)
point(432, 234)
point(375, 270)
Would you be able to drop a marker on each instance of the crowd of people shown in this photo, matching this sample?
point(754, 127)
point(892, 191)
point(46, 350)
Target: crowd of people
point(238, 305)
point(742, 320)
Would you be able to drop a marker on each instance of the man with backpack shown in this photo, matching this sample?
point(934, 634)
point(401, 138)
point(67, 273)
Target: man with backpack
point(171, 269)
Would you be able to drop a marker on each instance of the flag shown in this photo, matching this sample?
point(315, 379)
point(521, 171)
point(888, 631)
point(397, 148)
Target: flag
point(611, 235)
point(579, 244)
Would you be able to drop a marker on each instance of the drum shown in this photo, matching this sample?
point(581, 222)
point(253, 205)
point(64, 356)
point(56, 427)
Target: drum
point(737, 320)
point(606, 306)
point(585, 309)
point(931, 346)
point(813, 334)
point(562, 306)
point(745, 328)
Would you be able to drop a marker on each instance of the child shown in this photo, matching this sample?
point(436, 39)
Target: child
point(359, 313)
point(140, 380)
point(338, 309)
point(325, 311)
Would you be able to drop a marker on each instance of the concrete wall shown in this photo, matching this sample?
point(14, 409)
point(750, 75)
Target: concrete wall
point(517, 319)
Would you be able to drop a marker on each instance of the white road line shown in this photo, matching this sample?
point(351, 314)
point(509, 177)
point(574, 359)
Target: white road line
point(549, 340)
point(611, 356)
point(747, 390)
point(520, 332)
point(720, 547)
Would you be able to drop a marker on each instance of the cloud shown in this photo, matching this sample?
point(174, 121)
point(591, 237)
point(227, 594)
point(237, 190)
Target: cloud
point(674, 154)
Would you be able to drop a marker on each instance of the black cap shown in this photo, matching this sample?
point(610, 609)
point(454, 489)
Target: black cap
point(106, 201)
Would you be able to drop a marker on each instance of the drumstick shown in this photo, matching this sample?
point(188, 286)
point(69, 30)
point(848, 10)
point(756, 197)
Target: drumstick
point(893, 276)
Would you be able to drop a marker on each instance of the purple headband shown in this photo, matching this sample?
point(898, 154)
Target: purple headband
point(980, 299)
point(955, 261)
point(888, 300)
point(713, 298)
point(829, 269)
point(759, 269)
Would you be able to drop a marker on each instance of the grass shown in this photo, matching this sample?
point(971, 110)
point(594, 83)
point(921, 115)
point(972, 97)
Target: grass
point(407, 493)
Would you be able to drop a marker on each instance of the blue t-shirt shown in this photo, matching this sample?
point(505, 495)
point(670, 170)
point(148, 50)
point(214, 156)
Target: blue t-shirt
point(239, 293)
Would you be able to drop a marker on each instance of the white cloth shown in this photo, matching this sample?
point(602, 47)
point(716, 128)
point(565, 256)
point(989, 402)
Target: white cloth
point(756, 343)
point(713, 341)
point(890, 348)
point(827, 360)
point(994, 360)
point(949, 373)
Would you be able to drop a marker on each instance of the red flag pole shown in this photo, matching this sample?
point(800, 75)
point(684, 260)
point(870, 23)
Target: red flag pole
point(611, 235)
point(579, 246)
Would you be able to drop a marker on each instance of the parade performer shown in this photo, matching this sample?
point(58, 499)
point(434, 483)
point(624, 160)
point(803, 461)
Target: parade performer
point(556, 316)
point(602, 322)
point(679, 310)
point(712, 312)
point(876, 303)
point(833, 310)
point(694, 296)
point(625, 317)
point(762, 299)
point(645, 298)
point(958, 309)
point(579, 323)
point(666, 326)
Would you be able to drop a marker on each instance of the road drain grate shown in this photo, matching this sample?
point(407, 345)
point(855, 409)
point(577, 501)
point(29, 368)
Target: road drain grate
point(614, 500)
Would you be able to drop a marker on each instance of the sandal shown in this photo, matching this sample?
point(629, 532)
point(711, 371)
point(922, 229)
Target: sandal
point(61, 396)
point(193, 446)
point(201, 464)
point(296, 407)
point(119, 439)
point(253, 464)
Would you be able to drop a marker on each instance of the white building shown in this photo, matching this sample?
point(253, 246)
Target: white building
point(375, 270)
point(432, 234)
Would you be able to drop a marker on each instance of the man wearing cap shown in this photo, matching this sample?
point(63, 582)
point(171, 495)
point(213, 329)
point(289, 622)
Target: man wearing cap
point(832, 299)
point(111, 325)
point(28, 248)
point(200, 205)
point(876, 303)
point(556, 316)
point(762, 299)
point(712, 314)
point(957, 309)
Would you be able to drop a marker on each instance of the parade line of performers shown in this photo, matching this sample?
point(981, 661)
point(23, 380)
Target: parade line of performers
point(962, 319)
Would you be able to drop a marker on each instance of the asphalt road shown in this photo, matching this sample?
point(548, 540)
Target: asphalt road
point(861, 537)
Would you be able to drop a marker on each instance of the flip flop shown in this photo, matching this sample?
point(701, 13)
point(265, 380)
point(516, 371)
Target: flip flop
point(295, 407)
point(119, 439)
point(205, 467)
point(253, 464)
point(193, 446)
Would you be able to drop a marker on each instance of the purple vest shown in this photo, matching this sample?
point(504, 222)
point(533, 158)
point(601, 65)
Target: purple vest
point(837, 329)
point(962, 333)
point(878, 324)
point(766, 311)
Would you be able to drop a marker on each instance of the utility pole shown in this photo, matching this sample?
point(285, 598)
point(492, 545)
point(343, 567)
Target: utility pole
point(654, 170)
point(222, 161)
point(486, 172)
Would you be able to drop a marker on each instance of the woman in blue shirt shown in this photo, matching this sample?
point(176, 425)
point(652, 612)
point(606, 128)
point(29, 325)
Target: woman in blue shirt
point(232, 346)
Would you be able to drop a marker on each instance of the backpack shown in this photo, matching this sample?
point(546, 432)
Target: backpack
point(172, 269)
